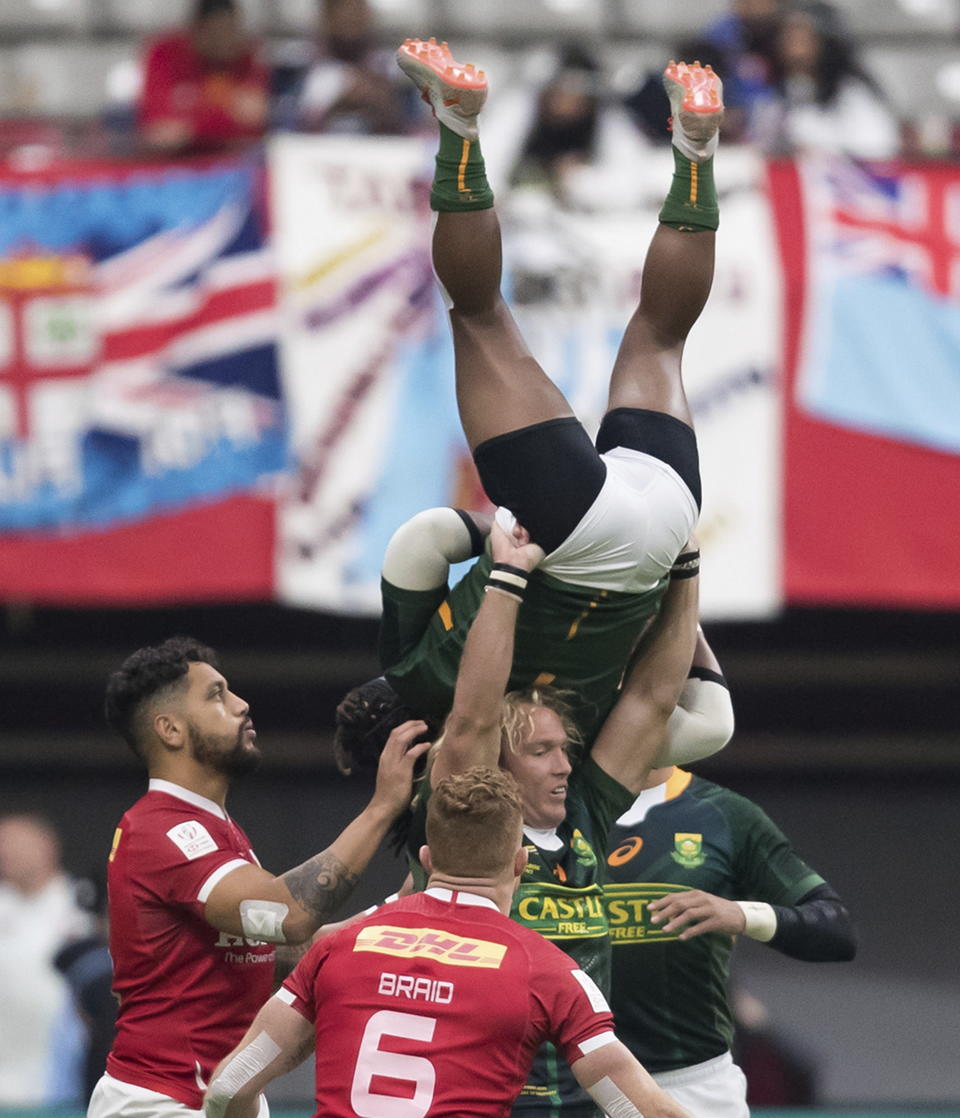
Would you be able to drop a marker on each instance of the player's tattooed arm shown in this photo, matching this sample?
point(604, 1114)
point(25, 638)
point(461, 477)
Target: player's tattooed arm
point(289, 909)
point(321, 885)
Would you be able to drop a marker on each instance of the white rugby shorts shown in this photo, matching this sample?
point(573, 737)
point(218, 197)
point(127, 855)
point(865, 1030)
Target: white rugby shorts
point(113, 1098)
point(629, 537)
point(716, 1088)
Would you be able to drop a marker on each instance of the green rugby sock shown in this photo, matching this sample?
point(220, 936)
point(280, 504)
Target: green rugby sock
point(691, 206)
point(460, 180)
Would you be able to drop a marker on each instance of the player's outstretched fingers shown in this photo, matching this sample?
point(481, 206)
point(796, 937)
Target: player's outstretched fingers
point(403, 735)
point(395, 772)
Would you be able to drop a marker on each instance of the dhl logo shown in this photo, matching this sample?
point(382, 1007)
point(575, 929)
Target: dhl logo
point(442, 947)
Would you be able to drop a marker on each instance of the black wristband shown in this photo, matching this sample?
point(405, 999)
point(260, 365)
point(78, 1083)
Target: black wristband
point(686, 565)
point(510, 570)
point(506, 587)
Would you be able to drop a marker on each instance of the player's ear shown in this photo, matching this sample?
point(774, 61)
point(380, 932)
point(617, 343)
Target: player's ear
point(169, 729)
point(425, 860)
point(520, 860)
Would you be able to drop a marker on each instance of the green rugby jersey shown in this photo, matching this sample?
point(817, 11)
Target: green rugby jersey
point(568, 636)
point(560, 896)
point(670, 998)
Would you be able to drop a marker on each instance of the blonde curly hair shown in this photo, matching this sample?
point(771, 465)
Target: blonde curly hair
point(516, 716)
point(516, 721)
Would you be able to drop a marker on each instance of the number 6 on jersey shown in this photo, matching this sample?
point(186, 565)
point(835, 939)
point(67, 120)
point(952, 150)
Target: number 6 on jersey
point(372, 1061)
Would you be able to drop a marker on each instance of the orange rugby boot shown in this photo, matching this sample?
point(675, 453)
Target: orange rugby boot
point(696, 100)
point(456, 92)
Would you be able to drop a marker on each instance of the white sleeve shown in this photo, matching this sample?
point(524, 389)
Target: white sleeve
point(700, 725)
point(420, 552)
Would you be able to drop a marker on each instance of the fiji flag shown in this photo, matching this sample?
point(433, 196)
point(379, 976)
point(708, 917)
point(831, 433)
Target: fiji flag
point(871, 258)
point(882, 348)
point(140, 397)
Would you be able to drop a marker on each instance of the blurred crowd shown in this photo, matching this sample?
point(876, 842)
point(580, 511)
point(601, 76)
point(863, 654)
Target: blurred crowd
point(56, 1021)
point(794, 82)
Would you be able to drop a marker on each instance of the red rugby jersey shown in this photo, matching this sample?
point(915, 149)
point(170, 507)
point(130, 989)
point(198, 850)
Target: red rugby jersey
point(187, 991)
point(434, 1005)
point(213, 99)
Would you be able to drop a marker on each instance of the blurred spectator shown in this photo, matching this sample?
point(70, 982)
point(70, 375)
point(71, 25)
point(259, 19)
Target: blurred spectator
point(739, 46)
point(85, 964)
point(41, 1038)
point(648, 105)
point(823, 100)
point(204, 88)
point(743, 42)
point(352, 86)
point(778, 1073)
point(579, 144)
point(563, 132)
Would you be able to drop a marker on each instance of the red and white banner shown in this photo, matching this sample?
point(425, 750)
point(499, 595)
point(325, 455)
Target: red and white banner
point(871, 264)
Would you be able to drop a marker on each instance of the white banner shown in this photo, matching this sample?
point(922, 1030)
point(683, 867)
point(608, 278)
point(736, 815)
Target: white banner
point(368, 367)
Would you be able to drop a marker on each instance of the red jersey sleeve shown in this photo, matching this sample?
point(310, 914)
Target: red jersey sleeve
point(577, 1017)
point(185, 858)
point(299, 989)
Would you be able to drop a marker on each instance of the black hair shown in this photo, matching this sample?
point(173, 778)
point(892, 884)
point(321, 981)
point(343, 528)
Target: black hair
point(203, 9)
point(549, 140)
point(838, 57)
point(146, 673)
point(365, 717)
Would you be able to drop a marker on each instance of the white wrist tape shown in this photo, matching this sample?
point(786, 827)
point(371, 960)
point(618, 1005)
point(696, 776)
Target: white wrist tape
point(611, 1100)
point(761, 920)
point(263, 920)
point(248, 1063)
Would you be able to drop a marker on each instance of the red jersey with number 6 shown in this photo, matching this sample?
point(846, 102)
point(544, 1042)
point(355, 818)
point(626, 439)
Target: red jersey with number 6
point(434, 1005)
point(187, 992)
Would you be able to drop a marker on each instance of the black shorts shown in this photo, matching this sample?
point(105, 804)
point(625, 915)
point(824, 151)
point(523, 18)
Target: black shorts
point(657, 434)
point(550, 473)
point(547, 475)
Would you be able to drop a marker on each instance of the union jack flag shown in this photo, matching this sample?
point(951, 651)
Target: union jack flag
point(140, 395)
point(139, 371)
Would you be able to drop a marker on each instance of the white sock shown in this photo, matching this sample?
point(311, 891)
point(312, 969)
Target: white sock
point(693, 150)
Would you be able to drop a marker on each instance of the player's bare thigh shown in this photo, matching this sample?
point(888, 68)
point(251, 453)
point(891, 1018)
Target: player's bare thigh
point(500, 386)
point(677, 277)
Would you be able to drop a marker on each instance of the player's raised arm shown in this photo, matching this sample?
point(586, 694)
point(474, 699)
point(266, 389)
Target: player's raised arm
point(472, 731)
point(290, 908)
point(702, 721)
point(279, 1040)
point(635, 730)
point(622, 1087)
